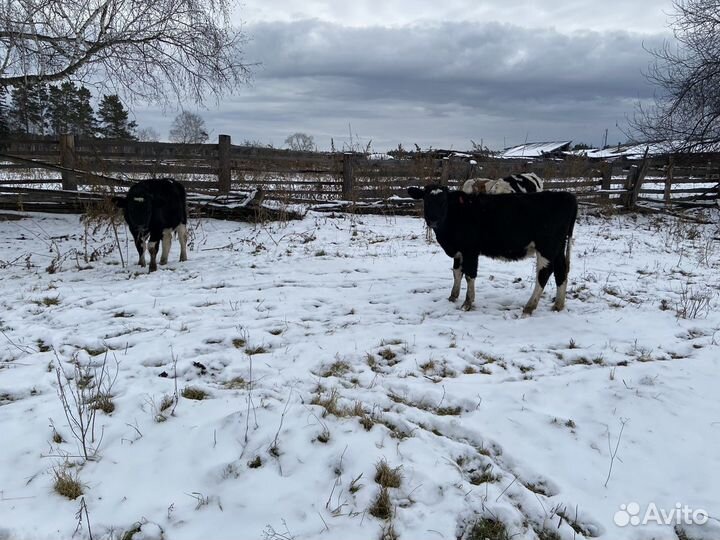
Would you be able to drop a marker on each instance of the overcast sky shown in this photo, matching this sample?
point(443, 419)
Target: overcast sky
point(439, 74)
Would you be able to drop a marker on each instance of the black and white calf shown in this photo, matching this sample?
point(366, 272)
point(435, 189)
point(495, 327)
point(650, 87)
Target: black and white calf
point(506, 226)
point(515, 183)
point(154, 209)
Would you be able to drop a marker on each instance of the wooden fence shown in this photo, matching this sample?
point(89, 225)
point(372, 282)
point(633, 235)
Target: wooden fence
point(73, 163)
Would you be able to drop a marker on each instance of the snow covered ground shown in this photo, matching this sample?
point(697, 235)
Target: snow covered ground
point(327, 348)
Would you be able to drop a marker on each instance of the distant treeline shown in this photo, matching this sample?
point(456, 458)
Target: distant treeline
point(48, 109)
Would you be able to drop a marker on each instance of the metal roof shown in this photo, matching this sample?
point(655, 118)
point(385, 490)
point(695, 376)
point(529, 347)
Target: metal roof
point(536, 149)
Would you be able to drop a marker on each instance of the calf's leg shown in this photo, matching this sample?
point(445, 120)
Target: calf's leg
point(153, 250)
point(457, 277)
point(182, 238)
point(140, 246)
point(469, 268)
point(544, 269)
point(166, 241)
point(561, 268)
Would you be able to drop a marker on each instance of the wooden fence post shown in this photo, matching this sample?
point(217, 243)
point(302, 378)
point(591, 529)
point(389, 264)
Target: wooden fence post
point(606, 180)
point(347, 187)
point(642, 171)
point(445, 173)
point(224, 171)
point(626, 197)
point(67, 159)
point(668, 180)
point(634, 182)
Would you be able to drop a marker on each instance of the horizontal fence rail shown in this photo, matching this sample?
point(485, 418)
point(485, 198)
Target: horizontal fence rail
point(71, 163)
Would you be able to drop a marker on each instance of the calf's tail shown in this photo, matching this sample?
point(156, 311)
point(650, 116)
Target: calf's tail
point(571, 228)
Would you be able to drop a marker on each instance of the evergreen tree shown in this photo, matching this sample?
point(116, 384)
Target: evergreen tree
point(27, 109)
point(113, 119)
point(83, 119)
point(60, 108)
point(69, 110)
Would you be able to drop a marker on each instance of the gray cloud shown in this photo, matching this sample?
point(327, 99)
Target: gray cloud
point(567, 16)
point(436, 84)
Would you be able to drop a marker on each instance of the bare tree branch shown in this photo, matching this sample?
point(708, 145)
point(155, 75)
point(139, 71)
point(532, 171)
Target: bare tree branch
point(158, 51)
point(686, 113)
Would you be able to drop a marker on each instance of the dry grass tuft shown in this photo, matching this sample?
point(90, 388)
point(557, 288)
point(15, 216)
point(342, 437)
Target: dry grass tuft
point(193, 392)
point(485, 476)
point(336, 369)
point(386, 476)
point(236, 383)
point(487, 529)
point(104, 403)
point(366, 421)
point(67, 484)
point(381, 507)
point(448, 411)
point(250, 351)
point(166, 404)
point(329, 403)
point(428, 366)
point(388, 533)
point(548, 534)
point(324, 436)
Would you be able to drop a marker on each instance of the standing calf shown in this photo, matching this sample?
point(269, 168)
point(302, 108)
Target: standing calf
point(515, 183)
point(507, 226)
point(153, 210)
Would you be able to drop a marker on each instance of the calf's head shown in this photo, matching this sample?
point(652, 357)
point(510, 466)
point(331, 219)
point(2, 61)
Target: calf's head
point(435, 203)
point(137, 208)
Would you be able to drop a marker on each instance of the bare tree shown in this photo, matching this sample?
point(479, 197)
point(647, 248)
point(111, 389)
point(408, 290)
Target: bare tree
point(148, 134)
point(300, 141)
point(686, 112)
point(188, 128)
point(156, 51)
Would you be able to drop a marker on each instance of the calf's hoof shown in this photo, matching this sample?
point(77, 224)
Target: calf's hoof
point(163, 261)
point(558, 306)
point(153, 268)
point(183, 258)
point(467, 306)
point(453, 297)
point(527, 311)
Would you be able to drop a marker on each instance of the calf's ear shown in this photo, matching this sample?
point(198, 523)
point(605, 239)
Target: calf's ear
point(416, 192)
